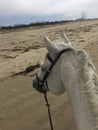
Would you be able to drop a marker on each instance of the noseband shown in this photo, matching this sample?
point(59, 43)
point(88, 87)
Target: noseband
point(41, 83)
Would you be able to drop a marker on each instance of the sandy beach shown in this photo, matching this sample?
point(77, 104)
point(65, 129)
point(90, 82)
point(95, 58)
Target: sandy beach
point(21, 52)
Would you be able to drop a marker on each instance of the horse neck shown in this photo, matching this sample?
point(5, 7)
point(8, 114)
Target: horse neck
point(85, 107)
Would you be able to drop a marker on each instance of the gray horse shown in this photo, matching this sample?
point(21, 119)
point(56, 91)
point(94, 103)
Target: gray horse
point(65, 68)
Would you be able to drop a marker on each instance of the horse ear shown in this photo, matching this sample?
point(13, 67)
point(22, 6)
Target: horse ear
point(64, 37)
point(50, 47)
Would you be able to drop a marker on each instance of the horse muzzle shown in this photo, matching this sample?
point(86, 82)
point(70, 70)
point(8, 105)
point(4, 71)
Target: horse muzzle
point(38, 85)
point(35, 84)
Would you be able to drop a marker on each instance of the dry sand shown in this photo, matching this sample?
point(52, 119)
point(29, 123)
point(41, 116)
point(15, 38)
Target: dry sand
point(21, 51)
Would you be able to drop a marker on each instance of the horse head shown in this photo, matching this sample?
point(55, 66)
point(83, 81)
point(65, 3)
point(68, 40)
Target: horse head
point(48, 77)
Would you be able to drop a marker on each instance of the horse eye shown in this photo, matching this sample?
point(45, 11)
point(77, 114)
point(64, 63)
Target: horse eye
point(42, 67)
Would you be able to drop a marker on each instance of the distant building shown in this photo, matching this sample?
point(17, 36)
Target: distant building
point(83, 15)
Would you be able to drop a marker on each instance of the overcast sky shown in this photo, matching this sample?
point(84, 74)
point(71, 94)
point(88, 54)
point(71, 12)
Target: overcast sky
point(27, 11)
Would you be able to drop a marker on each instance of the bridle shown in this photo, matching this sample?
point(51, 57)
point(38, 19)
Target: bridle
point(41, 83)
